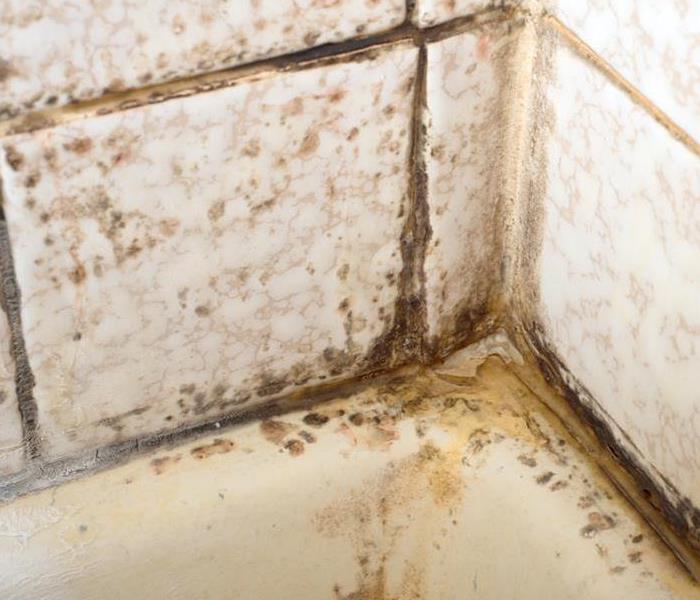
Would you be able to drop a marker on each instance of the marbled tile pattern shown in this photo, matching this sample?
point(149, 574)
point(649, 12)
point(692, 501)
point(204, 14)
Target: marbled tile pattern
point(655, 45)
point(620, 266)
point(463, 128)
point(433, 12)
point(52, 51)
point(11, 450)
point(206, 254)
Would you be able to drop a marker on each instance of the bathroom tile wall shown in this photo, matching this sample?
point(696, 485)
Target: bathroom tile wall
point(53, 52)
point(619, 272)
point(206, 254)
point(656, 46)
point(465, 114)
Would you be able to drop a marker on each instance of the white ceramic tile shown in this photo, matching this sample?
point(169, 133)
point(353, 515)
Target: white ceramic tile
point(620, 266)
point(655, 45)
point(205, 254)
point(464, 127)
point(433, 12)
point(11, 449)
point(395, 497)
point(52, 51)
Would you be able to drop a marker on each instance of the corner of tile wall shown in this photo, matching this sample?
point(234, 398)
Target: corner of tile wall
point(602, 289)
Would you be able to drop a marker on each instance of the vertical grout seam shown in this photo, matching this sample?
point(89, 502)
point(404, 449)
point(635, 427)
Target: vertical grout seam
point(10, 300)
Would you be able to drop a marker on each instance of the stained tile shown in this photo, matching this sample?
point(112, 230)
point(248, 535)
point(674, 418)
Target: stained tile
point(619, 274)
point(52, 52)
point(206, 254)
point(466, 82)
point(657, 50)
point(11, 449)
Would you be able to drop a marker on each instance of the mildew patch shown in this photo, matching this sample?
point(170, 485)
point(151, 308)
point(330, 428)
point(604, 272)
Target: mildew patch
point(218, 446)
point(163, 463)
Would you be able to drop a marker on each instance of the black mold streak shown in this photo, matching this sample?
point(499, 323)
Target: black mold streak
point(404, 340)
point(677, 509)
point(10, 300)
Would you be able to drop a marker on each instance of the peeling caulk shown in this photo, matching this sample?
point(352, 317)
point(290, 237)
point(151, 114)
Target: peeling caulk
point(465, 362)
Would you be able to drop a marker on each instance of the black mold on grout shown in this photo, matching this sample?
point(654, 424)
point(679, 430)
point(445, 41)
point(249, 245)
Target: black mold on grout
point(358, 48)
point(10, 300)
point(676, 509)
point(43, 474)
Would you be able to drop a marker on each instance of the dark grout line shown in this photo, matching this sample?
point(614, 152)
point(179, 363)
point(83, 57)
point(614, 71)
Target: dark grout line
point(43, 474)
point(359, 48)
point(10, 300)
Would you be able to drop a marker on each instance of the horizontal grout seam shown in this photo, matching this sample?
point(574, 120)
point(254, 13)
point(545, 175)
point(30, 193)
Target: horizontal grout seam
point(354, 49)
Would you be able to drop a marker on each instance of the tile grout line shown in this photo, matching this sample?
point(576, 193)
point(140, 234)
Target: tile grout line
point(583, 49)
point(10, 298)
point(327, 54)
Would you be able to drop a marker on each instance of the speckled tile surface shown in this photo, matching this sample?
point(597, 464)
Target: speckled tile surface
point(52, 51)
point(433, 12)
point(619, 274)
point(205, 254)
point(412, 489)
point(465, 122)
point(656, 46)
point(11, 448)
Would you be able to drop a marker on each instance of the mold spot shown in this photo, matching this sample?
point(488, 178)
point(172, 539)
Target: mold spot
point(216, 211)
point(311, 37)
point(309, 144)
point(270, 385)
point(315, 419)
point(597, 522)
point(77, 275)
point(343, 272)
point(32, 179)
point(635, 557)
point(357, 419)
point(162, 464)
point(6, 70)
point(294, 447)
point(544, 478)
point(528, 461)
point(79, 145)
point(116, 422)
point(218, 446)
point(202, 311)
point(275, 431)
point(309, 438)
point(77, 336)
point(559, 485)
point(188, 389)
point(637, 538)
point(14, 158)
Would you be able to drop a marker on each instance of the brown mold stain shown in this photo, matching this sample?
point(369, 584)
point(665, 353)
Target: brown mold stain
point(13, 157)
point(218, 446)
point(163, 463)
point(81, 145)
point(294, 447)
point(275, 431)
